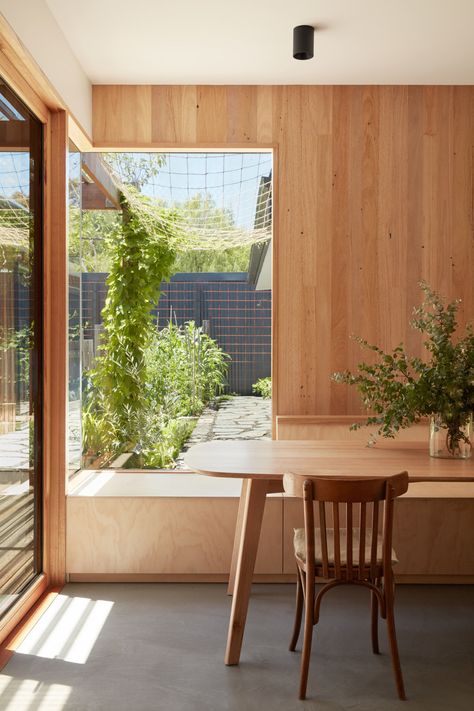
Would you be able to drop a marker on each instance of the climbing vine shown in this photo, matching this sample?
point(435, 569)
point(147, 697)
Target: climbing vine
point(142, 252)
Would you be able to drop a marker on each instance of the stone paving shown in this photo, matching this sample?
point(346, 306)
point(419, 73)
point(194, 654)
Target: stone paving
point(240, 417)
point(15, 446)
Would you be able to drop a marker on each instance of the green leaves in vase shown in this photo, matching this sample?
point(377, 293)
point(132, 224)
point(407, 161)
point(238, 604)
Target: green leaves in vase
point(399, 389)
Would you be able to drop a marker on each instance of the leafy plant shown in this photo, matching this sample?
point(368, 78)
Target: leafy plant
point(162, 452)
point(185, 369)
point(235, 259)
point(135, 169)
point(91, 234)
point(400, 389)
point(141, 255)
point(263, 387)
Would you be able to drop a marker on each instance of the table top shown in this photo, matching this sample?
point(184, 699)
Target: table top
point(270, 459)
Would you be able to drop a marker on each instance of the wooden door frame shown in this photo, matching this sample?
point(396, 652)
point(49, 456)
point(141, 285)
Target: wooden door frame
point(27, 80)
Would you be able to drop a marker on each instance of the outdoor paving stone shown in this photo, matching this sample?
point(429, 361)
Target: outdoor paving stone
point(243, 417)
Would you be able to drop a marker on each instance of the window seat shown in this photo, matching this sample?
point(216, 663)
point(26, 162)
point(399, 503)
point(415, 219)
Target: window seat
point(178, 526)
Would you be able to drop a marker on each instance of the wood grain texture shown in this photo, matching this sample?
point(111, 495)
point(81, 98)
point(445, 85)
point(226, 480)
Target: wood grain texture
point(375, 192)
point(271, 459)
point(27, 621)
point(337, 427)
point(15, 614)
point(55, 350)
point(168, 536)
point(176, 578)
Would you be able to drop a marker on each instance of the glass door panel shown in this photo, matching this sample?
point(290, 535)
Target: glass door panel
point(20, 346)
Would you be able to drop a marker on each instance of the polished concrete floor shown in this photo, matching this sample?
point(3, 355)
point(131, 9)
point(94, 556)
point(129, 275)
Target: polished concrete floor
point(140, 647)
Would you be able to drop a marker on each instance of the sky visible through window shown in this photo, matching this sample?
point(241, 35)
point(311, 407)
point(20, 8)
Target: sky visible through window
point(231, 179)
point(14, 174)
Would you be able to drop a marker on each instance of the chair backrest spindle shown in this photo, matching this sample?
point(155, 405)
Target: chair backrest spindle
point(349, 569)
point(374, 533)
point(362, 533)
point(324, 538)
point(337, 539)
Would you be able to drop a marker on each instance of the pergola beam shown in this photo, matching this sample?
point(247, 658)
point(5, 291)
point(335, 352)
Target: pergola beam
point(95, 168)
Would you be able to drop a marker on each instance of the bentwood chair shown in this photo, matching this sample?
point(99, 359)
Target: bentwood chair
point(352, 545)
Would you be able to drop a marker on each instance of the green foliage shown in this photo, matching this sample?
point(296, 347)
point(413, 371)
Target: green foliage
point(235, 259)
point(201, 211)
point(400, 389)
point(142, 254)
point(263, 387)
point(162, 452)
point(185, 369)
point(145, 384)
point(135, 169)
point(91, 234)
point(21, 343)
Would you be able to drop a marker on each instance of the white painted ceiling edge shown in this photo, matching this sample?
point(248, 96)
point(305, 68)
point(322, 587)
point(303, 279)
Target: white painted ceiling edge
point(250, 41)
point(39, 32)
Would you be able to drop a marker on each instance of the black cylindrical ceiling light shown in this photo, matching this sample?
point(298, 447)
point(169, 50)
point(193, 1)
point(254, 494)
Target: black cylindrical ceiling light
point(303, 42)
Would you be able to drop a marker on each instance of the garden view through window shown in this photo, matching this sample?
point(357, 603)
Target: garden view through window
point(169, 304)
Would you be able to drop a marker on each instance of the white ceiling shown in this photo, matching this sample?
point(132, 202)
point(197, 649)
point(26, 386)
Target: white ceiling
point(250, 41)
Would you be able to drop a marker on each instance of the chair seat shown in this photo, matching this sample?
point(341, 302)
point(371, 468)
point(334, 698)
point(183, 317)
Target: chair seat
point(300, 552)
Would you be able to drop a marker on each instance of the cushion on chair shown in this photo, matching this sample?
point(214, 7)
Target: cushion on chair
point(300, 547)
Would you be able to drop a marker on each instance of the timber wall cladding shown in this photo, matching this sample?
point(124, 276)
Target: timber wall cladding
point(374, 191)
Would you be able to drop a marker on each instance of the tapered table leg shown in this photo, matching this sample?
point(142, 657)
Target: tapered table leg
point(238, 532)
point(250, 533)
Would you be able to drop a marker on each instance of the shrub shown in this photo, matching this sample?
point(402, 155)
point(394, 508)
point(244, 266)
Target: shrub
point(185, 369)
point(263, 387)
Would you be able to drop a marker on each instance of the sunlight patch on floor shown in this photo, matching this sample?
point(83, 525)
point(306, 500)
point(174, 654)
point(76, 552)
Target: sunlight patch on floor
point(32, 695)
point(67, 630)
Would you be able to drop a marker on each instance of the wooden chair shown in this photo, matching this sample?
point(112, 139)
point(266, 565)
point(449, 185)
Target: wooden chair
point(356, 553)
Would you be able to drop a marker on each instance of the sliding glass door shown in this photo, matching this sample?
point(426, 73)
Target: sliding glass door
point(20, 346)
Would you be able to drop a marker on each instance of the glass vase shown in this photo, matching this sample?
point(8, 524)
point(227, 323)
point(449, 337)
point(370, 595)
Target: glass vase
point(444, 443)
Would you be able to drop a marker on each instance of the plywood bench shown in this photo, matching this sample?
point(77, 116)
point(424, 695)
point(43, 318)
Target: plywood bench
point(146, 526)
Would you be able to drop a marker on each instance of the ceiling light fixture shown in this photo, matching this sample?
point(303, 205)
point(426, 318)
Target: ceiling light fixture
point(303, 42)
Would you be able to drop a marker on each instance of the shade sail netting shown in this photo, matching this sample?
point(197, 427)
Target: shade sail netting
point(218, 200)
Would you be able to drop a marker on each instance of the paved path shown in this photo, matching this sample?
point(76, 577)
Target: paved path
point(241, 417)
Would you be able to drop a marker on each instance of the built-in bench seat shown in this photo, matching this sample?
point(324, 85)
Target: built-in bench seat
point(124, 525)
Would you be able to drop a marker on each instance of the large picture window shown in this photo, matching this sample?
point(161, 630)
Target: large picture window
point(21, 307)
point(172, 256)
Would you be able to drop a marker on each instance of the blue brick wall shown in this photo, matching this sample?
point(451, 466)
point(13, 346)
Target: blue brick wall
point(234, 314)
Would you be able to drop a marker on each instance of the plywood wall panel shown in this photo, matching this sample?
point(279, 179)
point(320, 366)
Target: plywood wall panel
point(163, 535)
point(374, 192)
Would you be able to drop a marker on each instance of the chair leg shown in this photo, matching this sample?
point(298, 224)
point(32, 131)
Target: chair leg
point(375, 623)
point(308, 636)
point(299, 611)
point(392, 637)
